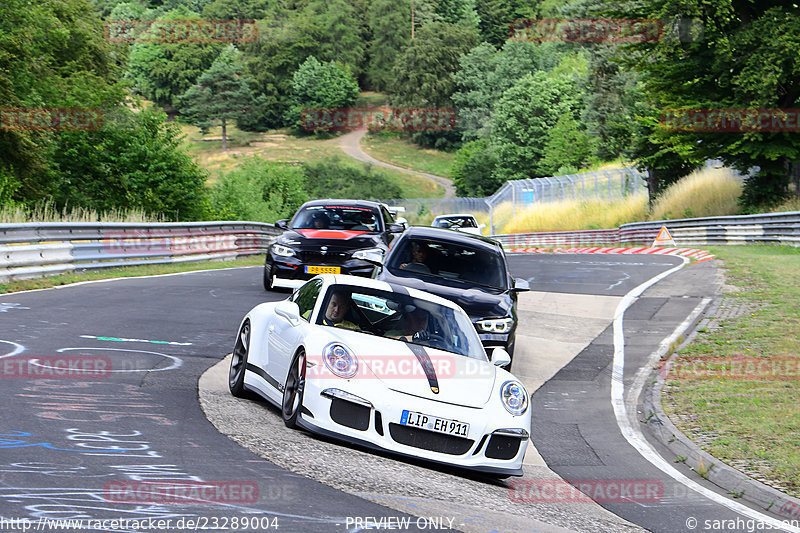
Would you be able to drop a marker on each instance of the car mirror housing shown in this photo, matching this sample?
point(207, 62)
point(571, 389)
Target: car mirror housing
point(521, 285)
point(282, 224)
point(373, 256)
point(288, 310)
point(500, 357)
point(396, 228)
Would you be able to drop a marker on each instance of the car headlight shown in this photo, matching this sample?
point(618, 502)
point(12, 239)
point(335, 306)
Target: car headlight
point(339, 360)
point(279, 249)
point(495, 325)
point(515, 397)
point(362, 254)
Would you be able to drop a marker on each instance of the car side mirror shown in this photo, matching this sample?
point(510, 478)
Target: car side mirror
point(521, 285)
point(288, 310)
point(372, 256)
point(403, 222)
point(396, 228)
point(282, 224)
point(481, 226)
point(500, 357)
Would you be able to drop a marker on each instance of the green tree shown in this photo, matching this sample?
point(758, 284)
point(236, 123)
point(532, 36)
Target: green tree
point(746, 58)
point(281, 188)
point(568, 148)
point(391, 33)
point(342, 32)
point(221, 95)
point(162, 72)
point(284, 43)
point(485, 73)
point(473, 169)
point(320, 85)
point(134, 161)
point(52, 54)
point(525, 115)
point(422, 74)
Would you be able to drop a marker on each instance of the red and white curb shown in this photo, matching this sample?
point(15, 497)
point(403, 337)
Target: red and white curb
point(692, 253)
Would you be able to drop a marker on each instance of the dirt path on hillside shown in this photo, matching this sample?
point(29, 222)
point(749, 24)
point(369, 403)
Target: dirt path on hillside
point(350, 143)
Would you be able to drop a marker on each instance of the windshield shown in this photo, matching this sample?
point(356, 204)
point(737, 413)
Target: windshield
point(460, 262)
point(402, 317)
point(337, 218)
point(456, 222)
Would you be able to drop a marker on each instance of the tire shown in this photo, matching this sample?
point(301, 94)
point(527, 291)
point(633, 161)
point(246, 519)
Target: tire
point(239, 362)
point(293, 390)
point(269, 275)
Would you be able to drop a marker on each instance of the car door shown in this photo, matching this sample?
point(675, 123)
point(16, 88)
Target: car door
point(285, 336)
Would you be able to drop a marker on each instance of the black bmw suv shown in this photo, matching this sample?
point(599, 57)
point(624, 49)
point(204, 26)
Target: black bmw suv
point(468, 269)
point(329, 237)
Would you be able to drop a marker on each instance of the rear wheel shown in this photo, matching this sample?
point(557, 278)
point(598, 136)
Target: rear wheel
point(293, 390)
point(239, 362)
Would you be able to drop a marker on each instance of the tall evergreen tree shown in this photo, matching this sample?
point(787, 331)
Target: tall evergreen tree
point(390, 23)
point(221, 95)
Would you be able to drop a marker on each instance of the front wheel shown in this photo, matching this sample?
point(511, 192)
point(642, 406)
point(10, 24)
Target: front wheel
point(269, 277)
point(293, 391)
point(239, 362)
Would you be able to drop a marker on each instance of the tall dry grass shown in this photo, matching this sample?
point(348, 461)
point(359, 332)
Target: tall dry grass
point(704, 193)
point(47, 212)
point(567, 215)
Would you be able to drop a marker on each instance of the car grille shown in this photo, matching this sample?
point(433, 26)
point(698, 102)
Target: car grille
point(429, 440)
point(319, 257)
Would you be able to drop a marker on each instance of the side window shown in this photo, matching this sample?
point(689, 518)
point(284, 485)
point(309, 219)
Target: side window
point(387, 217)
point(306, 297)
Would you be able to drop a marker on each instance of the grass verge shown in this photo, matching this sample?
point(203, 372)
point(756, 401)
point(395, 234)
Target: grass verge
point(125, 272)
point(738, 394)
point(394, 149)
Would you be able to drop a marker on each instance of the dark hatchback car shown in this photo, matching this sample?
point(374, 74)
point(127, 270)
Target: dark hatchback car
point(470, 270)
point(329, 237)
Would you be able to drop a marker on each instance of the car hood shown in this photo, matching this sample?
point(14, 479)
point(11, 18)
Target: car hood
point(334, 239)
point(400, 366)
point(478, 302)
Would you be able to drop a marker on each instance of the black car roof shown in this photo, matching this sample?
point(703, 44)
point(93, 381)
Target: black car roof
point(343, 203)
point(450, 235)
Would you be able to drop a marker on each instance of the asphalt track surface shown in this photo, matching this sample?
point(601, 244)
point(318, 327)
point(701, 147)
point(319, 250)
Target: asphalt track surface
point(69, 443)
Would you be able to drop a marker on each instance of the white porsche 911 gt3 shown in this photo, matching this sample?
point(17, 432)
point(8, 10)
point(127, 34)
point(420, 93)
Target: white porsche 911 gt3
point(384, 366)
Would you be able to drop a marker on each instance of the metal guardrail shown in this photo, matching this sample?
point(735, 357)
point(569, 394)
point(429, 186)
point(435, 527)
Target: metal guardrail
point(40, 249)
point(773, 228)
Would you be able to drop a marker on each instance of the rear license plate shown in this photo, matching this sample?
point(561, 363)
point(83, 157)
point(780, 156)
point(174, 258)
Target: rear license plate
point(323, 270)
point(434, 423)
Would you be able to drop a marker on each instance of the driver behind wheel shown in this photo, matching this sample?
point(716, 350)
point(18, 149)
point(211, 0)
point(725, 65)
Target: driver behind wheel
point(415, 327)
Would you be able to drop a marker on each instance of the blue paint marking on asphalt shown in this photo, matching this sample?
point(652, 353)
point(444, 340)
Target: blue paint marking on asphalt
point(18, 443)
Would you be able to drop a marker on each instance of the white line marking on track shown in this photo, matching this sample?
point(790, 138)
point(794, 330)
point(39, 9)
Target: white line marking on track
point(629, 429)
point(177, 362)
point(18, 349)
